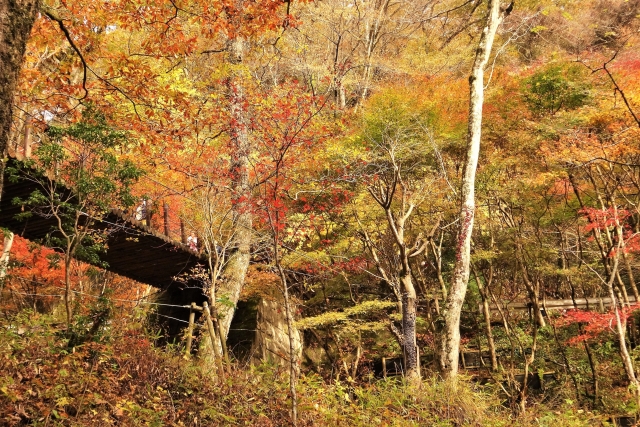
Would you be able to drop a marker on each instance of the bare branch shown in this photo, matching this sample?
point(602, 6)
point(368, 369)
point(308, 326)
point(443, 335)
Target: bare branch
point(50, 14)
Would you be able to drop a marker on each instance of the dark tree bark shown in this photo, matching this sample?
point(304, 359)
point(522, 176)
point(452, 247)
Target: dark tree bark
point(16, 20)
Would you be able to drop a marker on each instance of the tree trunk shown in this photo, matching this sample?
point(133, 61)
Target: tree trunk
point(371, 39)
point(212, 357)
point(26, 141)
point(632, 280)
point(67, 289)
point(528, 360)
point(236, 268)
point(437, 254)
point(450, 335)
point(594, 370)
point(4, 259)
point(16, 19)
point(486, 314)
point(183, 233)
point(627, 361)
point(532, 290)
point(409, 345)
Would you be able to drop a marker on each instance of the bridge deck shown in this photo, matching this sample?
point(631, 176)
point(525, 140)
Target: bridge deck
point(134, 250)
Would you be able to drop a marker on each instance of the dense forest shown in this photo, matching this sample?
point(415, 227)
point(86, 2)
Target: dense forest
point(396, 212)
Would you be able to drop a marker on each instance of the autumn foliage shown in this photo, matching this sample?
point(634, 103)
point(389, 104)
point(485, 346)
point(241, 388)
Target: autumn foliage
point(337, 101)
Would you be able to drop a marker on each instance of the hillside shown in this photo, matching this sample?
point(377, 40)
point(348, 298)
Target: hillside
point(405, 212)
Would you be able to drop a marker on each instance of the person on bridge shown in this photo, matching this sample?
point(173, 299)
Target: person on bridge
point(192, 242)
point(141, 211)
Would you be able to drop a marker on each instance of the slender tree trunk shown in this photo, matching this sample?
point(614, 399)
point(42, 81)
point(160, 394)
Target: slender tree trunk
point(183, 233)
point(486, 314)
point(450, 335)
point(26, 141)
point(16, 20)
point(532, 290)
point(67, 288)
point(528, 360)
point(437, 254)
point(356, 359)
point(4, 259)
point(594, 370)
point(213, 339)
point(632, 281)
point(627, 361)
point(372, 37)
point(405, 294)
point(235, 271)
point(211, 355)
point(165, 218)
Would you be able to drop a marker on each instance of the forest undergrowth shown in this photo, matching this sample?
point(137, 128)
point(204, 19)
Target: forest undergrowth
point(103, 373)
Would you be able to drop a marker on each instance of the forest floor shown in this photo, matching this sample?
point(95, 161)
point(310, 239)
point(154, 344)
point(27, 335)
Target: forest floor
point(114, 375)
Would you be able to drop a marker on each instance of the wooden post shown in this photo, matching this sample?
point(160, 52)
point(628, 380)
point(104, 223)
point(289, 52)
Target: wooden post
point(166, 218)
point(149, 212)
point(384, 367)
point(212, 335)
point(183, 232)
point(192, 319)
point(223, 344)
point(601, 305)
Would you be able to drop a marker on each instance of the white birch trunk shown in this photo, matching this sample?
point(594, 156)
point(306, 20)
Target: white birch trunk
point(450, 338)
point(4, 259)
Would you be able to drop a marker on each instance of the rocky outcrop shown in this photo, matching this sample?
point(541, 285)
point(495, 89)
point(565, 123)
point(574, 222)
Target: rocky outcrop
point(272, 340)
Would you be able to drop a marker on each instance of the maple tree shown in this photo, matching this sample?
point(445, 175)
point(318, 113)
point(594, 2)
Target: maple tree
point(32, 270)
point(288, 132)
